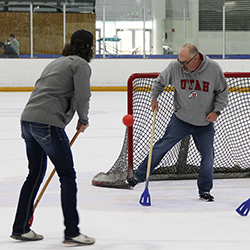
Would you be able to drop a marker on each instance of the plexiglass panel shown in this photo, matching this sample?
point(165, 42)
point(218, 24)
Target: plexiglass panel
point(131, 28)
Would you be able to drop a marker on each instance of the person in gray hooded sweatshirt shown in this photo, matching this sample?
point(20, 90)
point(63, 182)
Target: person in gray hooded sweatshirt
point(201, 93)
point(62, 89)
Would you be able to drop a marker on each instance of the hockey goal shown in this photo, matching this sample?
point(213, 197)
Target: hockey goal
point(231, 142)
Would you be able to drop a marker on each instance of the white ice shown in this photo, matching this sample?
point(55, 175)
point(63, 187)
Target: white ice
point(177, 219)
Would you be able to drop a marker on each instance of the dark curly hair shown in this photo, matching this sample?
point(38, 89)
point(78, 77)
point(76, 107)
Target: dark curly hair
point(85, 53)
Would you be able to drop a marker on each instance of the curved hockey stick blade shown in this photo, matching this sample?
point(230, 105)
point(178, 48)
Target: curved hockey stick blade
point(244, 208)
point(145, 198)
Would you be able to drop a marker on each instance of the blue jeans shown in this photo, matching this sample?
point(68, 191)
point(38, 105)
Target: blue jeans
point(41, 141)
point(177, 130)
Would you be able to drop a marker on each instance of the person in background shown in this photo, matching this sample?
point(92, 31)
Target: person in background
point(201, 93)
point(62, 89)
point(14, 43)
point(8, 51)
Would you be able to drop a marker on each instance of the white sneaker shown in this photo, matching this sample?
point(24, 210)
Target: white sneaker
point(81, 239)
point(30, 236)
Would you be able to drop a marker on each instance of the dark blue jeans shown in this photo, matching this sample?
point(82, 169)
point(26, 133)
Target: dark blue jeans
point(177, 130)
point(41, 141)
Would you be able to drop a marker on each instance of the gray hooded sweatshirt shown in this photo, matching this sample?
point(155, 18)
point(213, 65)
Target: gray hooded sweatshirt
point(62, 89)
point(197, 93)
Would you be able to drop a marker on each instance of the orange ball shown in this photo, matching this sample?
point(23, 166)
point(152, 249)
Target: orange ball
point(128, 120)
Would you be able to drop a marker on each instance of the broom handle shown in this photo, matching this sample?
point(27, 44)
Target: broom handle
point(151, 146)
point(51, 175)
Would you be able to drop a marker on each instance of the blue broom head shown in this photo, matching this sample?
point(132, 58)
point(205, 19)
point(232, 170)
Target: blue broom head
point(244, 208)
point(145, 198)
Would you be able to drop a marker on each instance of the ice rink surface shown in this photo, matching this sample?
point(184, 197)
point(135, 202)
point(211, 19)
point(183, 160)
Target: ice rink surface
point(176, 220)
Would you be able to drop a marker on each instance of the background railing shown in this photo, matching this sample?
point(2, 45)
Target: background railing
point(131, 28)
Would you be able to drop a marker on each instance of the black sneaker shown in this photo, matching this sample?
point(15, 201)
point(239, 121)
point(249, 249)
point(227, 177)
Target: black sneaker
point(206, 196)
point(132, 181)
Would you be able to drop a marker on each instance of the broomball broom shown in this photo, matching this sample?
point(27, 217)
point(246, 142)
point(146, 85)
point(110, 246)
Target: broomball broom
point(244, 208)
point(145, 197)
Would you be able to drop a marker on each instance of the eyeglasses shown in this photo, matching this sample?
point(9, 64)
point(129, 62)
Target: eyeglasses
point(186, 63)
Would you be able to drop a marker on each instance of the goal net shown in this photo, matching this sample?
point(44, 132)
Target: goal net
point(231, 142)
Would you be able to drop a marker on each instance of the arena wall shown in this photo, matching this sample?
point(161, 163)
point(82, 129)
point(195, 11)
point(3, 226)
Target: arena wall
point(107, 74)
